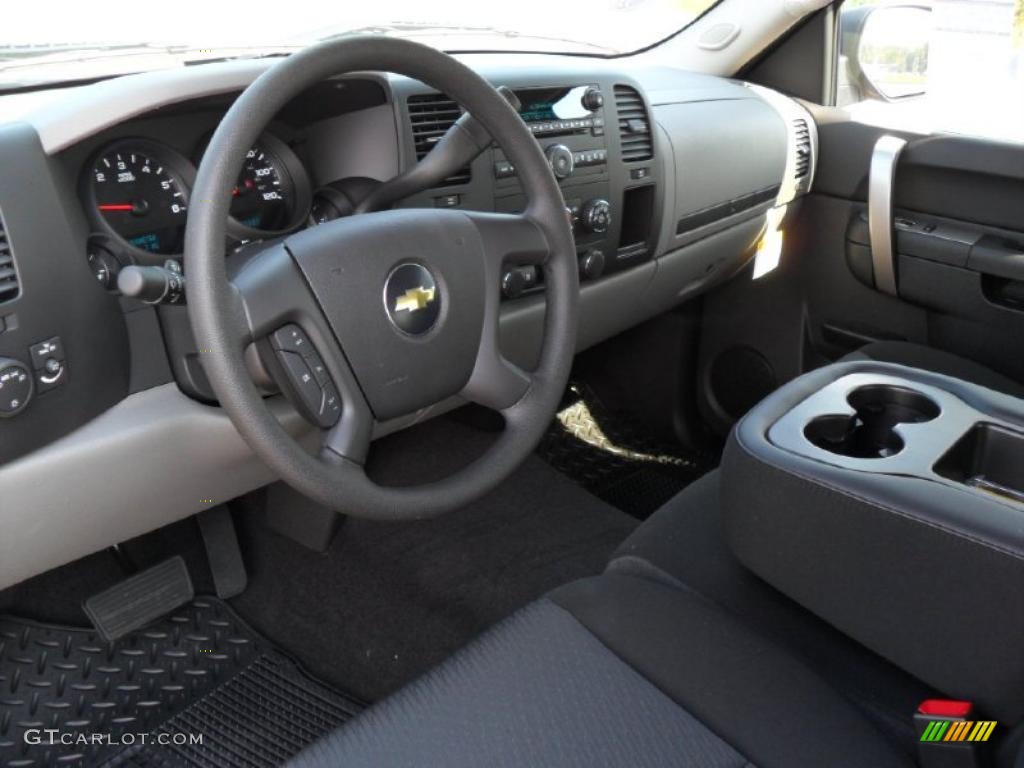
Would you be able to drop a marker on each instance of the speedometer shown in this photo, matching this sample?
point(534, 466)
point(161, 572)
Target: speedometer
point(261, 198)
point(138, 192)
point(272, 194)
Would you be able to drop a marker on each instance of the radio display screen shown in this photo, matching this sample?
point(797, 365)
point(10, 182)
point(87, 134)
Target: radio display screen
point(541, 104)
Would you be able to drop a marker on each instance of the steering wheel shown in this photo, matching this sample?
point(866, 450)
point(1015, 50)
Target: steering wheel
point(384, 314)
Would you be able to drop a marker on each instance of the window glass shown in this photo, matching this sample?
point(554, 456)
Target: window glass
point(73, 39)
point(950, 65)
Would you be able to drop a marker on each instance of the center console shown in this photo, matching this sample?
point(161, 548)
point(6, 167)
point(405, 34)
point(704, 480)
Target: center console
point(890, 502)
point(586, 140)
point(596, 132)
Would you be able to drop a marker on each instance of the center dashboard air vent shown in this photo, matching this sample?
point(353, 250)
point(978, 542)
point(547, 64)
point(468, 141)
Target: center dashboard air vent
point(8, 274)
point(802, 138)
point(430, 116)
point(634, 125)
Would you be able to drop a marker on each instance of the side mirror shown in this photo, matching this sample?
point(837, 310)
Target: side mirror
point(885, 50)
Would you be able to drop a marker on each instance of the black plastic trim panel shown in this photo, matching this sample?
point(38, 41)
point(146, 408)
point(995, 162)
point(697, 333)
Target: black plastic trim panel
point(731, 208)
point(59, 298)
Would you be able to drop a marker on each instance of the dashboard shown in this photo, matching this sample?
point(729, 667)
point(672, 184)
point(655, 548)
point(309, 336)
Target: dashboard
point(667, 176)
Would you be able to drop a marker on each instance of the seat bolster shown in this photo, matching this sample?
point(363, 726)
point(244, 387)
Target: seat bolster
point(536, 690)
point(747, 690)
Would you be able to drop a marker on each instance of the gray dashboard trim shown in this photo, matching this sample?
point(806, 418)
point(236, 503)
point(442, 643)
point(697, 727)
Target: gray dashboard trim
point(156, 457)
point(90, 109)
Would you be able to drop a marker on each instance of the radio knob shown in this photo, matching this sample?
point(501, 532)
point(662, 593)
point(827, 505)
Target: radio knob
point(596, 215)
point(592, 99)
point(560, 159)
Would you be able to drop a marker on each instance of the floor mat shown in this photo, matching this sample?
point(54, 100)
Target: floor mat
point(615, 459)
point(391, 600)
point(199, 688)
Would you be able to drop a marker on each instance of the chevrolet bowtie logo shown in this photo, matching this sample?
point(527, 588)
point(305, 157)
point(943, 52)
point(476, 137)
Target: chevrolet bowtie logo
point(414, 299)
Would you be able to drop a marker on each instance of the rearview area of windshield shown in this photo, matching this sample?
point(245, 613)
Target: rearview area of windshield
point(77, 33)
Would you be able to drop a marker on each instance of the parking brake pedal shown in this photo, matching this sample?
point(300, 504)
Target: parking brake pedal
point(140, 600)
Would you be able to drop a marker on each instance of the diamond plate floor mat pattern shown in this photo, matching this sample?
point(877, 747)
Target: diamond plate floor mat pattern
point(614, 458)
point(199, 688)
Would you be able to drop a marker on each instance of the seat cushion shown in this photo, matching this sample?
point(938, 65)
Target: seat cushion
point(683, 545)
point(930, 359)
point(612, 671)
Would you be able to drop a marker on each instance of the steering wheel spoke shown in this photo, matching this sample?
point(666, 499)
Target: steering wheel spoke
point(349, 439)
point(298, 350)
point(510, 238)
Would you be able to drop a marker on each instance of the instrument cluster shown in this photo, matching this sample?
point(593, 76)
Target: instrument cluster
point(137, 192)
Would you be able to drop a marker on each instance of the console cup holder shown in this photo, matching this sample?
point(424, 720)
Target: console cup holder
point(869, 432)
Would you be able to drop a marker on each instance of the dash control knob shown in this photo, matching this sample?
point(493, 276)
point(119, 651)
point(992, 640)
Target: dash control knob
point(592, 264)
point(592, 99)
point(596, 215)
point(15, 387)
point(561, 160)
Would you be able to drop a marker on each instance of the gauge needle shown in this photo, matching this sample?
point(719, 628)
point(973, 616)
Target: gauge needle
point(126, 207)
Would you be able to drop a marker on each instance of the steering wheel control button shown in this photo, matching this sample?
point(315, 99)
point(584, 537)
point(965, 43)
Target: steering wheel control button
point(314, 393)
point(45, 351)
point(330, 406)
point(412, 299)
point(291, 338)
point(15, 387)
point(308, 394)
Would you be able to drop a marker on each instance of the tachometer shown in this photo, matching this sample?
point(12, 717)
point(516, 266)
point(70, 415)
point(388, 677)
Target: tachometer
point(138, 192)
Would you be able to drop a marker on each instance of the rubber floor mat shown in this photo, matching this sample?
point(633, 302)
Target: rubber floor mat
point(611, 456)
point(199, 688)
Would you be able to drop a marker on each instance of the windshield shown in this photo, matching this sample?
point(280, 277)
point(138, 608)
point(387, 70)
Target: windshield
point(68, 40)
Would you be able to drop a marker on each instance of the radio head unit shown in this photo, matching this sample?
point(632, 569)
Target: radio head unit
point(561, 110)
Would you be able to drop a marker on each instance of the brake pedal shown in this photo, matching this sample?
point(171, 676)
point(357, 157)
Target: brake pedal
point(223, 552)
point(140, 599)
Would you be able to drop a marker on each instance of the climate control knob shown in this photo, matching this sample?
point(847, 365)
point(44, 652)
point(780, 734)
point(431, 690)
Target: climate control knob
point(592, 264)
point(561, 161)
point(596, 215)
point(15, 387)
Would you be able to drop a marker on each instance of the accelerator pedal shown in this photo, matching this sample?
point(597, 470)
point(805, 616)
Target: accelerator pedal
point(140, 600)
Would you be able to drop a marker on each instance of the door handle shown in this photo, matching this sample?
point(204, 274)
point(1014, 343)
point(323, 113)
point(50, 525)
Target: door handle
point(997, 257)
point(881, 181)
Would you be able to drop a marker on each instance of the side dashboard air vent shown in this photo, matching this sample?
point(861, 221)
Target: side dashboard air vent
point(802, 136)
point(634, 125)
point(8, 274)
point(430, 116)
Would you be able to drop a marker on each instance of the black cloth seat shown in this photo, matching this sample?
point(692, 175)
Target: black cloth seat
point(683, 545)
point(615, 670)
